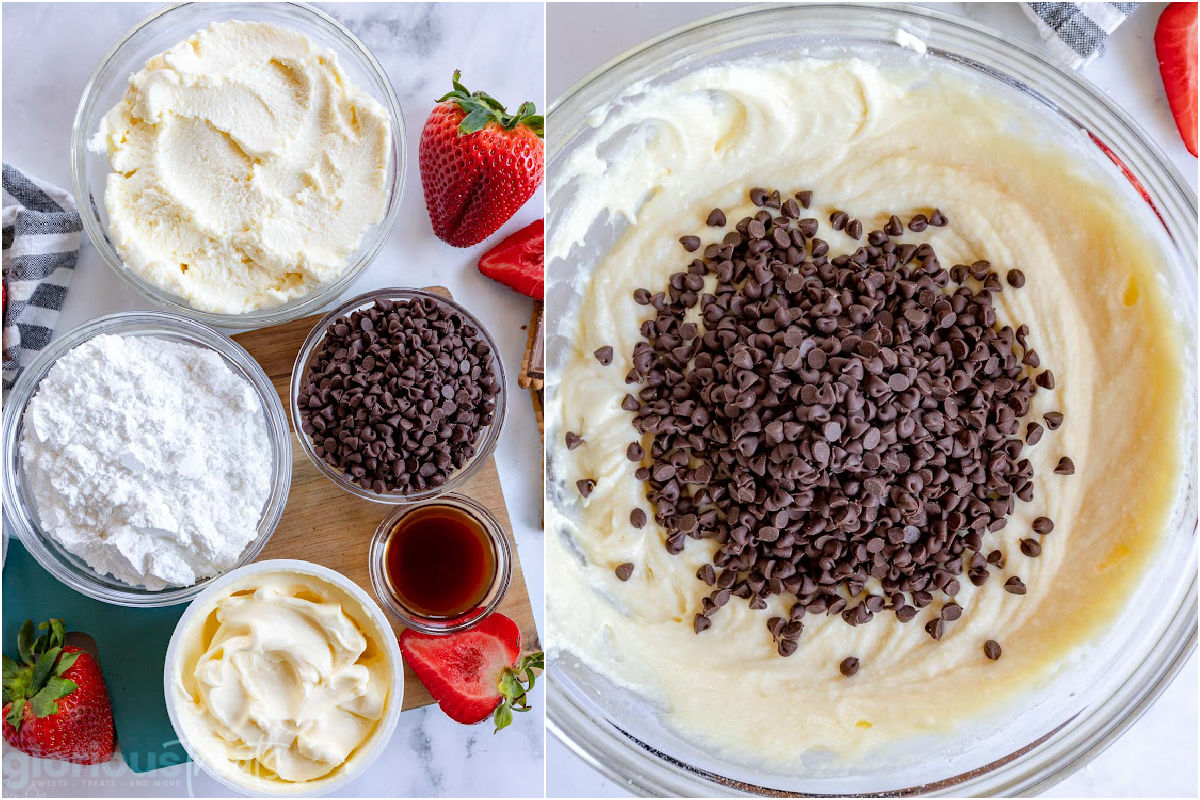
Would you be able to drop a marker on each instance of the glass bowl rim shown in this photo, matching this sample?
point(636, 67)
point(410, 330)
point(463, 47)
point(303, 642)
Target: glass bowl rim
point(495, 533)
point(140, 323)
point(611, 750)
point(489, 440)
point(367, 250)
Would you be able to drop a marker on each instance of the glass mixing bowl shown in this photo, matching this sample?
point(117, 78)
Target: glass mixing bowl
point(21, 510)
point(488, 437)
point(1092, 700)
point(166, 28)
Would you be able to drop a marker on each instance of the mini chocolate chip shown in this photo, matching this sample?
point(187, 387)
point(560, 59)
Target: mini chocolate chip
point(991, 649)
point(701, 623)
point(716, 218)
point(938, 220)
point(935, 628)
point(1045, 379)
point(1065, 466)
point(573, 440)
point(918, 224)
point(1033, 433)
point(1015, 278)
point(624, 571)
point(849, 666)
point(1043, 525)
point(637, 518)
point(805, 198)
point(690, 243)
point(1014, 585)
point(1053, 419)
point(585, 486)
point(1031, 548)
point(854, 228)
point(951, 612)
point(604, 355)
point(635, 452)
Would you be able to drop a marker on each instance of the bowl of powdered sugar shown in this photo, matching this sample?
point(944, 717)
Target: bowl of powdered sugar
point(145, 454)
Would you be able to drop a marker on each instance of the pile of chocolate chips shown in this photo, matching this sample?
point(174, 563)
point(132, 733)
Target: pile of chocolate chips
point(397, 394)
point(846, 427)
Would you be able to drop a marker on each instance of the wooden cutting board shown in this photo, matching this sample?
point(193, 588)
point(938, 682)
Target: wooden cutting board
point(326, 525)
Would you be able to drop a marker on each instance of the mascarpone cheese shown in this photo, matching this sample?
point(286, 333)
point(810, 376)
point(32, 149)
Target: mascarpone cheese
point(245, 168)
point(283, 677)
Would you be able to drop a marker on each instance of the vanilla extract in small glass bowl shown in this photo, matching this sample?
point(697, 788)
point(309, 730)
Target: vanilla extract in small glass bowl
point(440, 566)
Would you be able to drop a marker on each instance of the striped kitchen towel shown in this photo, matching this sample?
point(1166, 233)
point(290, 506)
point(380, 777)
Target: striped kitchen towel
point(1075, 32)
point(42, 232)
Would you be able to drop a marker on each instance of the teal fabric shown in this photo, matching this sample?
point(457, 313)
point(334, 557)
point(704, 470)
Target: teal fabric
point(133, 647)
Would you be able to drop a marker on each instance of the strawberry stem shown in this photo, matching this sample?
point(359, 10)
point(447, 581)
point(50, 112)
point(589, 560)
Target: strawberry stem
point(515, 684)
point(482, 109)
point(38, 678)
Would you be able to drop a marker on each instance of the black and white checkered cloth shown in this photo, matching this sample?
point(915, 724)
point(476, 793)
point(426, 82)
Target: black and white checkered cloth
point(42, 232)
point(1075, 32)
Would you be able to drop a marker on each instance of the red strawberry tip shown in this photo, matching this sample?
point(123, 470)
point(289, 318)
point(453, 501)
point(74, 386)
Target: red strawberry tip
point(481, 109)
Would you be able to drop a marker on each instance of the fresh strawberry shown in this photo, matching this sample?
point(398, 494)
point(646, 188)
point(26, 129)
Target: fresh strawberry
point(479, 164)
point(474, 674)
point(518, 261)
point(55, 703)
point(1175, 44)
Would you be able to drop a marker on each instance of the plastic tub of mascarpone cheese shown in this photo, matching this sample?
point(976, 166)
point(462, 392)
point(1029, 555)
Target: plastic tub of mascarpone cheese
point(283, 678)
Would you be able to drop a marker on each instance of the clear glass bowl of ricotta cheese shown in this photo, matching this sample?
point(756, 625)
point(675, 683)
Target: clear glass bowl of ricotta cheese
point(20, 509)
point(1056, 727)
point(163, 30)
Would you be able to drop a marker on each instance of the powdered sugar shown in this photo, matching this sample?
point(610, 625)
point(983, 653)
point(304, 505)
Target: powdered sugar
point(147, 458)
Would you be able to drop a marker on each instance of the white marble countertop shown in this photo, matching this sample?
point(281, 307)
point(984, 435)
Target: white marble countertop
point(1157, 756)
point(48, 53)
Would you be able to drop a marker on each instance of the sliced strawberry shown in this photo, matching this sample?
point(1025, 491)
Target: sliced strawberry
point(474, 674)
point(1175, 44)
point(519, 261)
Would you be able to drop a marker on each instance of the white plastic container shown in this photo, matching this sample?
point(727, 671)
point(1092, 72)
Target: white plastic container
point(231, 774)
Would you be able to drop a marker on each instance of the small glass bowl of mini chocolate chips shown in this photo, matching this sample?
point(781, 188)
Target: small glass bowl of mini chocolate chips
point(398, 395)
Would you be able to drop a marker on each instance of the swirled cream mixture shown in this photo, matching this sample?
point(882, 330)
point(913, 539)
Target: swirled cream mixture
point(870, 139)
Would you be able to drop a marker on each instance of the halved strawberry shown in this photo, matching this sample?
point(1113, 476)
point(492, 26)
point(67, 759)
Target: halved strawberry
point(475, 673)
point(1175, 44)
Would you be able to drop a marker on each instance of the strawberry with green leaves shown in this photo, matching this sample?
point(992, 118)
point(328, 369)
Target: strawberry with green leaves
point(55, 702)
point(476, 673)
point(479, 164)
